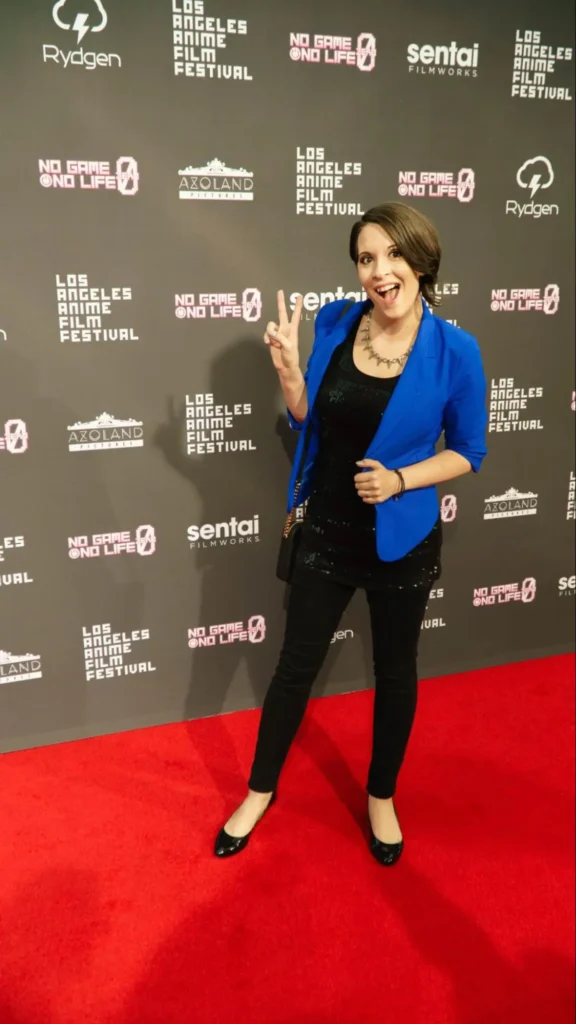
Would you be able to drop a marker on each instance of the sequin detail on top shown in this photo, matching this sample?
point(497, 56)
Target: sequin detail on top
point(339, 529)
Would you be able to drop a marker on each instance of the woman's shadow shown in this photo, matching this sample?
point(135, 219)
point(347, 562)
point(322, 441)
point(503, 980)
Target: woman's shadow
point(237, 580)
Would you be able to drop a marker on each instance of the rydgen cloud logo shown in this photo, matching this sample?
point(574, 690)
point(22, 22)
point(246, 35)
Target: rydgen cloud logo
point(526, 300)
point(12, 578)
point(14, 438)
point(81, 308)
point(216, 181)
point(105, 432)
point(511, 503)
point(317, 181)
point(219, 535)
point(334, 50)
point(461, 61)
point(438, 184)
point(16, 668)
point(533, 63)
point(505, 593)
point(142, 543)
point(104, 652)
point(254, 632)
point(91, 175)
point(534, 174)
point(220, 307)
point(93, 19)
point(196, 39)
point(506, 404)
point(206, 423)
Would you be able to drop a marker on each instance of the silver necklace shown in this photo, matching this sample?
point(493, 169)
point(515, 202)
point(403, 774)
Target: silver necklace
point(368, 346)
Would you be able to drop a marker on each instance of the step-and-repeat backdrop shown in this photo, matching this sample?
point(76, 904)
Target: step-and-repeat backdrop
point(166, 167)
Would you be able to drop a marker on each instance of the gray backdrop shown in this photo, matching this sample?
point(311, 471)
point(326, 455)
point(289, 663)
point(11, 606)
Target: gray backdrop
point(166, 167)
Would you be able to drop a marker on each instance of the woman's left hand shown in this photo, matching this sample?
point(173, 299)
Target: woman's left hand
point(375, 483)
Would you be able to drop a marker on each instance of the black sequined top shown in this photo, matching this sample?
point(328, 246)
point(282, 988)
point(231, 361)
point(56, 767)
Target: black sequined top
point(339, 529)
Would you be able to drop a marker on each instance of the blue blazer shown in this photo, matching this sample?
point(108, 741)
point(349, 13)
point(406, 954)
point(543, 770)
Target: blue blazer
point(442, 389)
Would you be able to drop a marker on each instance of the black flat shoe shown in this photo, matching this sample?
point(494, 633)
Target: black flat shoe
point(227, 846)
point(385, 853)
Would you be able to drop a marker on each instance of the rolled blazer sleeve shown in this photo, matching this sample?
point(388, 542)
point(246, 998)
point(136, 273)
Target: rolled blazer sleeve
point(465, 415)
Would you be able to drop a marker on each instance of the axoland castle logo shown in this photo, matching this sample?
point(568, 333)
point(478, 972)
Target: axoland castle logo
point(216, 181)
point(105, 432)
point(91, 175)
point(508, 403)
point(318, 180)
point(436, 622)
point(533, 175)
point(534, 63)
point(14, 437)
point(567, 586)
point(206, 423)
point(222, 535)
point(505, 593)
point(7, 546)
point(81, 309)
point(448, 508)
point(17, 668)
point(103, 545)
point(253, 632)
point(438, 184)
point(571, 505)
point(92, 18)
point(526, 300)
point(105, 652)
point(511, 503)
point(452, 61)
point(198, 37)
point(316, 49)
point(214, 306)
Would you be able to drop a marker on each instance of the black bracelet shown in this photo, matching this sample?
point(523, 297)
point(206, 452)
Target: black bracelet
point(402, 484)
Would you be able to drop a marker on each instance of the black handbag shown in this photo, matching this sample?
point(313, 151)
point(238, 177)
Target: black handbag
point(292, 532)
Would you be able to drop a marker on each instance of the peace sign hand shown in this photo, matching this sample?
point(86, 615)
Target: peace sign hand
point(282, 338)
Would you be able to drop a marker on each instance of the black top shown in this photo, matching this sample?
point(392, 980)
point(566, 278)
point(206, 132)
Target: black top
point(339, 529)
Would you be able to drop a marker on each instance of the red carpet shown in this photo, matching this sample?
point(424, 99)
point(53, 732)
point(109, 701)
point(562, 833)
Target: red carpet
point(114, 911)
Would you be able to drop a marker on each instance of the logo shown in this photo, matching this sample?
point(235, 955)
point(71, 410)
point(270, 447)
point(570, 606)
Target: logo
point(14, 438)
point(104, 544)
point(82, 307)
point(342, 634)
point(534, 174)
point(198, 37)
point(93, 19)
point(105, 432)
point(507, 402)
point(12, 578)
point(453, 60)
point(91, 175)
point(220, 307)
point(334, 50)
point(526, 300)
point(567, 586)
point(216, 181)
point(438, 184)
point(534, 63)
point(206, 423)
point(17, 668)
point(81, 22)
point(105, 652)
point(317, 181)
point(254, 632)
point(511, 503)
point(505, 593)
point(448, 508)
point(571, 506)
point(220, 535)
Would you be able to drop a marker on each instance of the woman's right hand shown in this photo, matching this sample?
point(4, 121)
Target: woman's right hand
point(282, 337)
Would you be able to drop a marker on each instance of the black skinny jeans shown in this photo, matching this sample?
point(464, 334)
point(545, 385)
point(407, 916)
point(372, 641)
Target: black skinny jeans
point(314, 611)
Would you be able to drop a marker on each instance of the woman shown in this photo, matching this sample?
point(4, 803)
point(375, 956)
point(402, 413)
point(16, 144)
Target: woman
point(384, 380)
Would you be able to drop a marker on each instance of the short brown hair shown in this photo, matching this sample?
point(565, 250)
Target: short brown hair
point(415, 236)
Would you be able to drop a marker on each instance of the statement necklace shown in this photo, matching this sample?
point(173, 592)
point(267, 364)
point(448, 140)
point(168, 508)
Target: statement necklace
point(368, 346)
